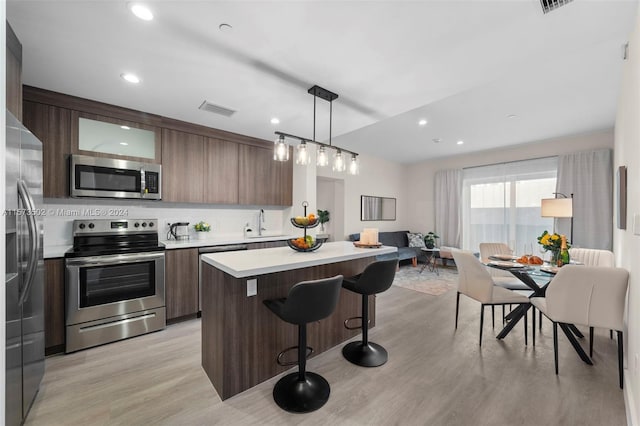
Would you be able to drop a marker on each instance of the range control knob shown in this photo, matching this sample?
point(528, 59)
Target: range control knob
point(144, 224)
point(81, 226)
point(91, 226)
point(150, 224)
point(136, 224)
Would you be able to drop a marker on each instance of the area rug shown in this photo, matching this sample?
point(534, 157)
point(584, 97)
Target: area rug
point(427, 282)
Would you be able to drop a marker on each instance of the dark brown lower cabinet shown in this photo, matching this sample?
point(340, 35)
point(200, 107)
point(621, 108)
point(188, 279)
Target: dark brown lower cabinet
point(266, 244)
point(181, 282)
point(54, 290)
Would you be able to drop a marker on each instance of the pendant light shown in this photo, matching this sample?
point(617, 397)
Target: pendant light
point(302, 154)
point(353, 165)
point(338, 162)
point(281, 149)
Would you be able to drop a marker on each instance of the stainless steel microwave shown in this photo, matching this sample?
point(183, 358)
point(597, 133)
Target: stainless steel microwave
point(113, 178)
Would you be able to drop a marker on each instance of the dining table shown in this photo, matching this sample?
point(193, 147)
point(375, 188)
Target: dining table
point(537, 278)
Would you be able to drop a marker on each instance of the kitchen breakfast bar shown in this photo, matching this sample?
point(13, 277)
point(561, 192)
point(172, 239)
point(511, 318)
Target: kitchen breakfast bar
point(241, 338)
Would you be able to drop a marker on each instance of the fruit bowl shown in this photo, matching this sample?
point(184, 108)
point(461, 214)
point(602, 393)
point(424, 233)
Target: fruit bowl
point(295, 244)
point(304, 222)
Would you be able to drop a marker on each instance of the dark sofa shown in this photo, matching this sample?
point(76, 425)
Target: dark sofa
point(396, 239)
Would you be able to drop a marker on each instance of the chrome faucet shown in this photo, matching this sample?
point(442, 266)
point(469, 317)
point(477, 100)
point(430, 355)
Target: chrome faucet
point(260, 222)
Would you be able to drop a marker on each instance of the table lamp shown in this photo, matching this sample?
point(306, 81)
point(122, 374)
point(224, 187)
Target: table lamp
point(558, 208)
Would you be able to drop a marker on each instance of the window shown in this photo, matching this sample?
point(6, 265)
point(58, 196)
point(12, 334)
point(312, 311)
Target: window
point(501, 203)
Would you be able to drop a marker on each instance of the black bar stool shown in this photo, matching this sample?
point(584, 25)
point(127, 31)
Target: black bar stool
point(376, 278)
point(308, 301)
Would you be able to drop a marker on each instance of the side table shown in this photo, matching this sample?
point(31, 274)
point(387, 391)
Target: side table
point(432, 255)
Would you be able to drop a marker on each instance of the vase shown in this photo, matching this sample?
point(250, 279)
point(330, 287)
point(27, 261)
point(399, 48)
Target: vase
point(201, 235)
point(555, 257)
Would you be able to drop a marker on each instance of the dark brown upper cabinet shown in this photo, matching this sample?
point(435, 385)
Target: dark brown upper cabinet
point(262, 180)
point(14, 74)
point(221, 172)
point(52, 125)
point(182, 167)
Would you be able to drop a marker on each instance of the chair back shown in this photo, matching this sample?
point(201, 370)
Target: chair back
point(473, 279)
point(310, 301)
point(489, 249)
point(592, 257)
point(592, 296)
point(376, 277)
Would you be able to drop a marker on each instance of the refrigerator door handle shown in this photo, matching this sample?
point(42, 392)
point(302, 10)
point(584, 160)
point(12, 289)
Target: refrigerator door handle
point(32, 264)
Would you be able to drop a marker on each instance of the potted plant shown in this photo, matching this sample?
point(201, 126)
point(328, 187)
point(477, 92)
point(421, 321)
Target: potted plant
point(202, 229)
point(430, 240)
point(323, 217)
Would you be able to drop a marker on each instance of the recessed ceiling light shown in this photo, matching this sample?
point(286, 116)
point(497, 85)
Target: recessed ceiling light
point(512, 116)
point(141, 11)
point(422, 122)
point(460, 142)
point(275, 120)
point(437, 140)
point(125, 127)
point(124, 143)
point(225, 27)
point(131, 78)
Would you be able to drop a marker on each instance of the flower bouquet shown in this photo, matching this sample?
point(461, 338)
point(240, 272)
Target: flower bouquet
point(552, 243)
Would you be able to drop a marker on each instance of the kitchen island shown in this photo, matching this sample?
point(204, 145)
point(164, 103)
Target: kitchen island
point(241, 338)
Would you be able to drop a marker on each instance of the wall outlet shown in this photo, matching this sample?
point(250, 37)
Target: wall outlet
point(252, 287)
point(636, 224)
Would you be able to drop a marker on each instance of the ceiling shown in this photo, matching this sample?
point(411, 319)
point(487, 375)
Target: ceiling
point(464, 66)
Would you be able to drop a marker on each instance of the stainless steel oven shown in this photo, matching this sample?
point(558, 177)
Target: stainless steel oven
point(113, 178)
point(115, 285)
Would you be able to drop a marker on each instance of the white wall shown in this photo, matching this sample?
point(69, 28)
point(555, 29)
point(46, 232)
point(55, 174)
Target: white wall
point(3, 315)
point(626, 244)
point(377, 177)
point(420, 176)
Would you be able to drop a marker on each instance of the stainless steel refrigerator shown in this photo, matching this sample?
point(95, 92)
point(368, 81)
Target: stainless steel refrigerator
point(24, 271)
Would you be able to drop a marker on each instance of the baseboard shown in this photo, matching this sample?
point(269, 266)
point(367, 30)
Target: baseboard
point(629, 402)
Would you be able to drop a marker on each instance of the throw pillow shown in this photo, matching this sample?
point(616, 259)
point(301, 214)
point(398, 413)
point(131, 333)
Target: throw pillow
point(416, 239)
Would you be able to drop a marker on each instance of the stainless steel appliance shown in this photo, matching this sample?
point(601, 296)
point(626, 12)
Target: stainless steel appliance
point(179, 231)
point(113, 178)
point(114, 281)
point(24, 279)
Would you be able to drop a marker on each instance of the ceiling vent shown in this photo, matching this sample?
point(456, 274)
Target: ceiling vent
point(551, 5)
point(216, 109)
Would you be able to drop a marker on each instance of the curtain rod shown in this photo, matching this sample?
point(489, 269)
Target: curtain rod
point(509, 162)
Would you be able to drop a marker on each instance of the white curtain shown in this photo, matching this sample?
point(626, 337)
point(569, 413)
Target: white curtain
point(448, 192)
point(501, 203)
point(588, 175)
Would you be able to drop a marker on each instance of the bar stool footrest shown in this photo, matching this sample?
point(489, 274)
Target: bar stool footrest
point(288, 363)
point(349, 327)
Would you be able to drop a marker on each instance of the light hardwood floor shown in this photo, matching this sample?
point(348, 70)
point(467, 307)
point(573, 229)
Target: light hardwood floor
point(435, 376)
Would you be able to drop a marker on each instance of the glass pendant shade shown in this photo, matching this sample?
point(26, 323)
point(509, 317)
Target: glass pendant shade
point(339, 164)
point(323, 158)
point(302, 154)
point(353, 165)
point(280, 150)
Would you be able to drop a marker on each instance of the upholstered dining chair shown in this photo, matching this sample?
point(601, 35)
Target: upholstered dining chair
point(474, 281)
point(591, 296)
point(501, 278)
point(593, 257)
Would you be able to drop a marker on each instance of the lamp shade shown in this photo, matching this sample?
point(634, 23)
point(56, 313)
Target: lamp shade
point(556, 207)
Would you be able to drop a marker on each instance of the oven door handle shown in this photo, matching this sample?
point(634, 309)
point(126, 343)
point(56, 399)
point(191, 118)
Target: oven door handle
point(116, 259)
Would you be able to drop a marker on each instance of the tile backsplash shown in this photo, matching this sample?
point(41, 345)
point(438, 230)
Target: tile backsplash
point(225, 221)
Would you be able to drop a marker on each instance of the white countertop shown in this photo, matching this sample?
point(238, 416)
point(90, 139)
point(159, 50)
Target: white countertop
point(249, 263)
point(51, 252)
point(222, 240)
